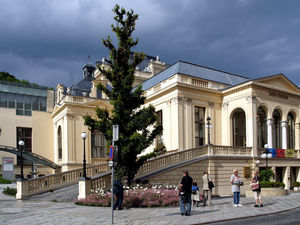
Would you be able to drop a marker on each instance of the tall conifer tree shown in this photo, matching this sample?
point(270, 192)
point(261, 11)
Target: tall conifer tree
point(128, 112)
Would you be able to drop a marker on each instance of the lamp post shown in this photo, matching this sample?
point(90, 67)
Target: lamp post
point(21, 144)
point(209, 126)
point(83, 136)
point(266, 154)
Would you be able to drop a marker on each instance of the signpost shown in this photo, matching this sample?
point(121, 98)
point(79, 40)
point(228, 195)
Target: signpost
point(112, 157)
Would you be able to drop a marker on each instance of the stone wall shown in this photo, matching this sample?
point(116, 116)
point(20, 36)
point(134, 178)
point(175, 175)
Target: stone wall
point(220, 171)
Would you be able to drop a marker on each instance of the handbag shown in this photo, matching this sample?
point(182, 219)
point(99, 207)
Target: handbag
point(210, 184)
point(255, 186)
point(181, 192)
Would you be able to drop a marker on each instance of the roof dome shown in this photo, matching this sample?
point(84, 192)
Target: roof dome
point(83, 86)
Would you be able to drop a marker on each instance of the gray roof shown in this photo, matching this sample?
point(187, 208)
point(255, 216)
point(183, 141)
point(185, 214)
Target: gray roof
point(196, 71)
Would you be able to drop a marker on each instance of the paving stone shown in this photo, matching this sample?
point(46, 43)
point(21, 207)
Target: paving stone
point(44, 211)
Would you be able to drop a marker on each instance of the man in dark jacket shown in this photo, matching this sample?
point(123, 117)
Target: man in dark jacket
point(185, 199)
point(118, 191)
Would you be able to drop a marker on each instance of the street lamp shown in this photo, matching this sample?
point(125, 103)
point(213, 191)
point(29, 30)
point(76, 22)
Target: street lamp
point(208, 126)
point(266, 155)
point(21, 144)
point(83, 136)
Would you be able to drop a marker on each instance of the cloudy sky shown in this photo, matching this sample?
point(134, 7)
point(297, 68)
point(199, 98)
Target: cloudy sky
point(48, 41)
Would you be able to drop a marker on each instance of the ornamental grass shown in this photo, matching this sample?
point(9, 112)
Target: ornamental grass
point(135, 198)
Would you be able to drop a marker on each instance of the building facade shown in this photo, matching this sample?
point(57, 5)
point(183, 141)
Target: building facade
point(196, 105)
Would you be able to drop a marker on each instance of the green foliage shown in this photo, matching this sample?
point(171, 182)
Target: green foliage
point(10, 191)
point(269, 184)
point(266, 175)
point(133, 120)
point(8, 77)
point(296, 184)
point(4, 181)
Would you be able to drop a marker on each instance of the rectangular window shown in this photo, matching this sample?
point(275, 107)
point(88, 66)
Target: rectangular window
point(98, 145)
point(3, 99)
point(43, 104)
point(199, 126)
point(24, 134)
point(11, 100)
point(159, 138)
point(35, 103)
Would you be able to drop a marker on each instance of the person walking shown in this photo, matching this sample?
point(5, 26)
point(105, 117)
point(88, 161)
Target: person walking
point(236, 182)
point(119, 192)
point(256, 188)
point(206, 189)
point(185, 199)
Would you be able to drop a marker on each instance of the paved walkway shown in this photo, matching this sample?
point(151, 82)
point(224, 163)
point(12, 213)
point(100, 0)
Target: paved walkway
point(48, 212)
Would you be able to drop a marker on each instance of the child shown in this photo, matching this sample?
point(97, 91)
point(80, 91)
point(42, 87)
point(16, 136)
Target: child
point(195, 194)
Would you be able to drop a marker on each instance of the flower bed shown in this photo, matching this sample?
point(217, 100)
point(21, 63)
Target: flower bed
point(137, 197)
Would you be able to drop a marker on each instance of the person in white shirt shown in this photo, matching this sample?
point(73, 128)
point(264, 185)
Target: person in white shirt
point(236, 182)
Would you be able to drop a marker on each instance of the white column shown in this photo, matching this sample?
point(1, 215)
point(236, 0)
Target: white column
point(270, 139)
point(284, 136)
point(297, 136)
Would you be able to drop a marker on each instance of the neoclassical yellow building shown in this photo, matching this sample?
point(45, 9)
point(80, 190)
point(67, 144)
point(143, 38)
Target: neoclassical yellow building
point(196, 105)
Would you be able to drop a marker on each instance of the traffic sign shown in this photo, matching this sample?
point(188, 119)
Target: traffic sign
point(111, 152)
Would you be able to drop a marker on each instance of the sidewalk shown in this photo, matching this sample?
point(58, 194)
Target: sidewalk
point(47, 212)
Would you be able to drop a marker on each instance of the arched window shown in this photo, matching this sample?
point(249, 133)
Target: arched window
point(276, 129)
point(261, 128)
point(239, 128)
point(59, 143)
point(98, 145)
point(290, 131)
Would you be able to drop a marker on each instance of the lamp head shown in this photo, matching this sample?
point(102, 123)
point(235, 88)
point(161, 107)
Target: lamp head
point(83, 135)
point(208, 118)
point(21, 143)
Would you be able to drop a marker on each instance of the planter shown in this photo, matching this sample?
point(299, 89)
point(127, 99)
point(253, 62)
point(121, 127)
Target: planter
point(268, 192)
point(296, 188)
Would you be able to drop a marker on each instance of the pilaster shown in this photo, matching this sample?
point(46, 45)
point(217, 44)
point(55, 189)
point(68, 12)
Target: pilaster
point(269, 128)
point(284, 134)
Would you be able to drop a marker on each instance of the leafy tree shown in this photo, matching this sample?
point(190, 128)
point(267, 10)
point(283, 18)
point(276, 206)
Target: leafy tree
point(134, 120)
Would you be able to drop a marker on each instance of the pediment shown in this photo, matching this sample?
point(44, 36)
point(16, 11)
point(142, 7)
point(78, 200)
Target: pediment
point(279, 81)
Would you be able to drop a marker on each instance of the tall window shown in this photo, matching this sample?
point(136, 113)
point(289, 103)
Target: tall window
point(290, 131)
point(261, 128)
point(276, 129)
point(199, 126)
point(159, 138)
point(239, 128)
point(24, 134)
point(59, 143)
point(98, 145)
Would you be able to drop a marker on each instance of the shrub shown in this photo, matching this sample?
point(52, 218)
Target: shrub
point(269, 184)
point(4, 181)
point(135, 198)
point(266, 175)
point(10, 191)
point(296, 184)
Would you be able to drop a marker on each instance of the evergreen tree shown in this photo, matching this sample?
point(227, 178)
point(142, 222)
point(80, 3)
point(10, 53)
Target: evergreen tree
point(134, 120)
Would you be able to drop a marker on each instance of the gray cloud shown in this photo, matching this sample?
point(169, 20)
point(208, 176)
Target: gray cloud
point(48, 41)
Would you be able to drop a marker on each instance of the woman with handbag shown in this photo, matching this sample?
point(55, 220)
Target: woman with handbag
point(206, 190)
point(255, 186)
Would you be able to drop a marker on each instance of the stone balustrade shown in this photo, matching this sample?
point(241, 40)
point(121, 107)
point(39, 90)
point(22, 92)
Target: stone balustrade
point(26, 188)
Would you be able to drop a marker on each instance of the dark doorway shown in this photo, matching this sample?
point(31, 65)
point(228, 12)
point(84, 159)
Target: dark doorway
point(279, 174)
